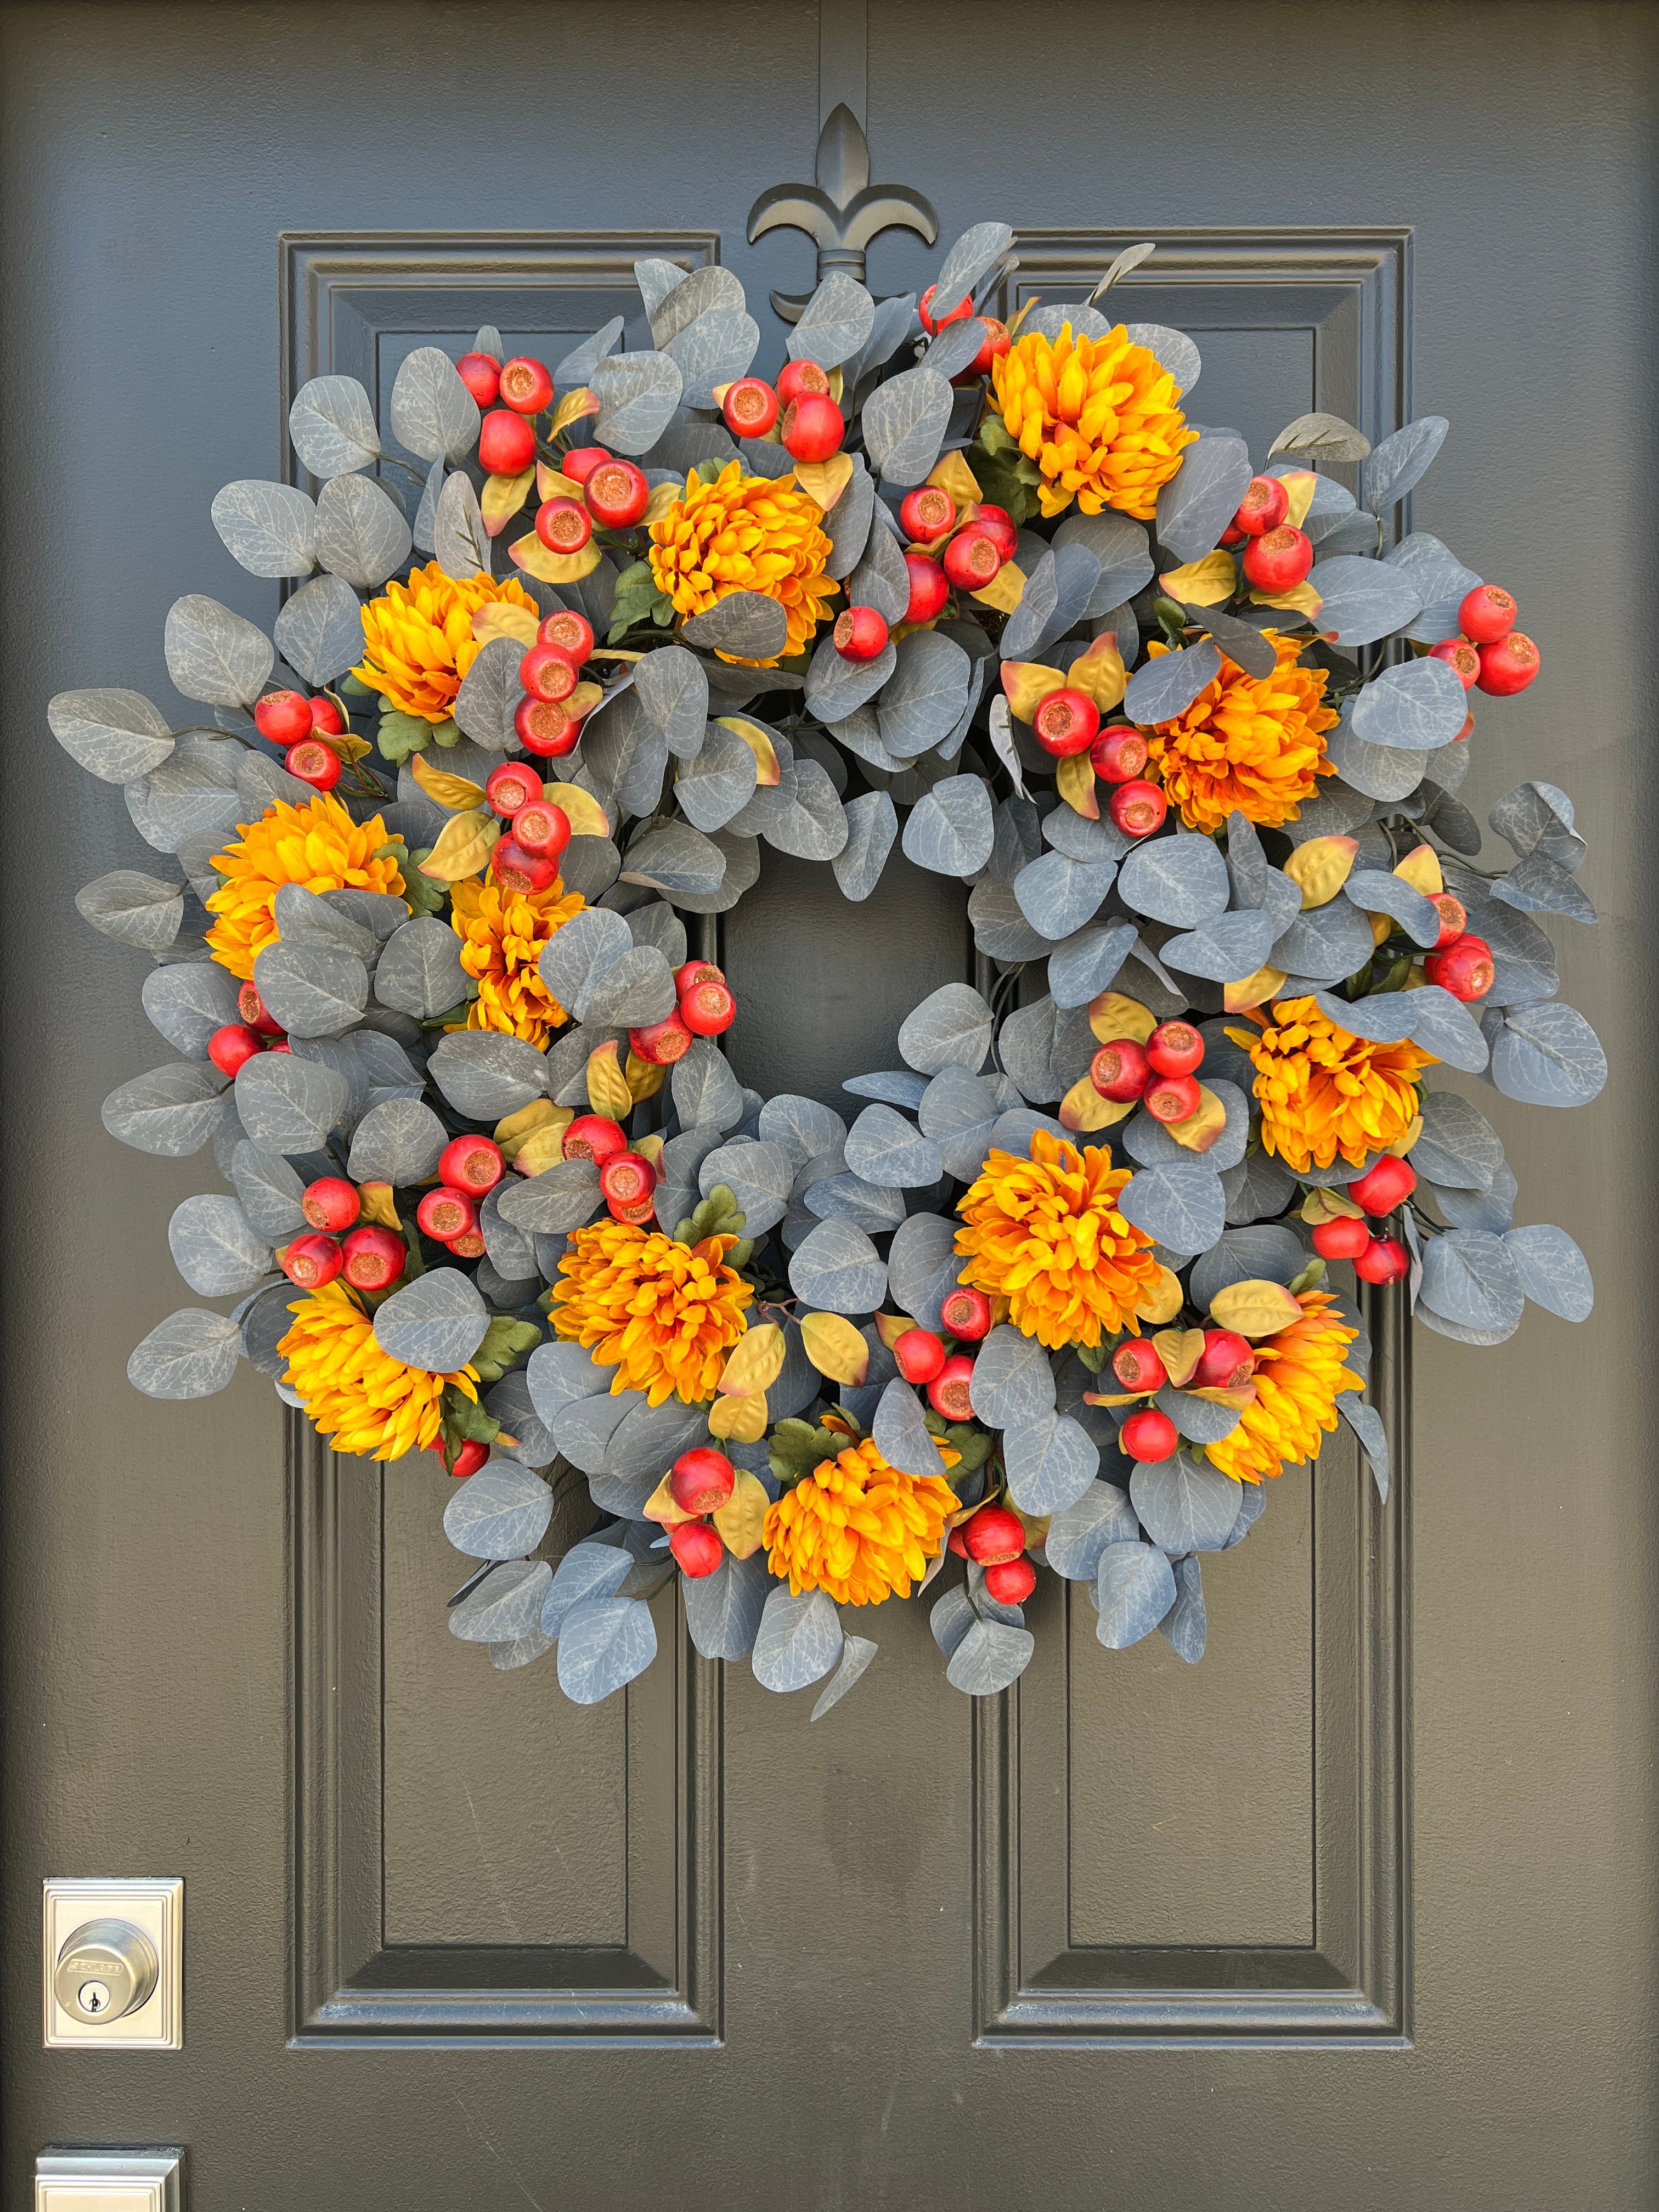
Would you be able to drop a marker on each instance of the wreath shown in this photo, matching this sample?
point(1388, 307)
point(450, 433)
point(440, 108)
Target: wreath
point(1056, 1292)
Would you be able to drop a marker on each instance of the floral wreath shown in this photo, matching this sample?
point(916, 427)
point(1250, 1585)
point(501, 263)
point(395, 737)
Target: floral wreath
point(496, 1189)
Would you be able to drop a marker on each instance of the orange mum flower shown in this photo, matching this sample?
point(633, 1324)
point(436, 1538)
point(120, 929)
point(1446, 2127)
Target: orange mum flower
point(1299, 1376)
point(1098, 416)
point(664, 1315)
point(502, 935)
point(1045, 1234)
point(318, 845)
point(418, 641)
point(1323, 1090)
point(1256, 744)
point(858, 1529)
point(746, 534)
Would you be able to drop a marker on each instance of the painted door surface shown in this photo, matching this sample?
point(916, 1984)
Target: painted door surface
point(1361, 1909)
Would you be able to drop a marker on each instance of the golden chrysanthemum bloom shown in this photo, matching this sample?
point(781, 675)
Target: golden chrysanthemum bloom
point(502, 933)
point(858, 1529)
point(664, 1315)
point(1322, 1090)
point(1098, 416)
point(418, 641)
point(1299, 1376)
point(367, 1401)
point(1256, 744)
point(318, 845)
point(746, 534)
point(1046, 1234)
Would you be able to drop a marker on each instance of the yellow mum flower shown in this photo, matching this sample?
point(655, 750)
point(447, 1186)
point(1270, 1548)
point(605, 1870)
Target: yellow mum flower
point(746, 534)
point(501, 936)
point(1323, 1090)
point(1256, 744)
point(1299, 1376)
point(858, 1529)
point(1098, 416)
point(318, 845)
point(664, 1315)
point(1046, 1234)
point(369, 1403)
point(418, 641)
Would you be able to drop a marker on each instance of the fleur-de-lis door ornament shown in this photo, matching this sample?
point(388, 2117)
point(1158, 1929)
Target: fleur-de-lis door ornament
point(843, 211)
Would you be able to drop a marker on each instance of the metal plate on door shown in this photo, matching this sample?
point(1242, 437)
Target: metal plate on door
point(112, 1958)
point(108, 2180)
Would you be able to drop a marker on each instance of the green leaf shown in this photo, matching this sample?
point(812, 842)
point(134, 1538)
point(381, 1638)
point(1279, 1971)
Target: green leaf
point(1093, 1356)
point(505, 1340)
point(425, 895)
point(995, 437)
point(710, 471)
point(466, 1420)
point(795, 1448)
point(401, 734)
point(446, 733)
point(1310, 1279)
point(973, 1443)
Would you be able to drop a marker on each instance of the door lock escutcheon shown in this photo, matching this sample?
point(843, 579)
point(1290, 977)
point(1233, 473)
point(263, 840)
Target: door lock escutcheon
point(114, 1964)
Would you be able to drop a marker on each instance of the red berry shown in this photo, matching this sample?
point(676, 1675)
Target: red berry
point(469, 1245)
point(511, 785)
point(325, 717)
point(1121, 1071)
point(284, 717)
point(524, 875)
point(1139, 1365)
point(638, 1211)
point(473, 1164)
point(1171, 1098)
point(234, 1046)
point(594, 1137)
point(860, 634)
point(563, 525)
point(253, 1009)
point(697, 1548)
point(526, 386)
point(1279, 561)
point(812, 427)
point(546, 728)
point(702, 1479)
point(798, 377)
point(626, 1178)
point(312, 1260)
point(661, 1042)
point(470, 1458)
point(1468, 730)
point(279, 1044)
point(1009, 1581)
point(1487, 614)
point(1459, 655)
point(966, 1314)
point(1509, 665)
point(972, 559)
point(617, 494)
point(924, 309)
point(331, 1203)
point(507, 443)
point(1454, 918)
point(993, 1535)
point(1465, 967)
point(929, 588)
point(1265, 505)
point(1138, 808)
point(1226, 1361)
point(691, 972)
point(956, 1541)
point(314, 763)
point(375, 1257)
point(481, 377)
point(1175, 1048)
point(919, 1355)
point(447, 1212)
point(580, 463)
point(749, 407)
point(1385, 1186)
point(926, 513)
point(1232, 535)
point(546, 673)
point(948, 1393)
point(1343, 1237)
point(1118, 755)
point(996, 342)
point(997, 524)
point(1065, 723)
point(541, 829)
point(573, 634)
point(1148, 1435)
point(1384, 1259)
point(708, 1009)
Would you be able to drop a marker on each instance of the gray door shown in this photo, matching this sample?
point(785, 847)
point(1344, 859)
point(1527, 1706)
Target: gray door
point(1358, 1911)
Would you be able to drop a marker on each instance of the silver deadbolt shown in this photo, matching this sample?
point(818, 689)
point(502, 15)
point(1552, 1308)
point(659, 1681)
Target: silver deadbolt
point(105, 1969)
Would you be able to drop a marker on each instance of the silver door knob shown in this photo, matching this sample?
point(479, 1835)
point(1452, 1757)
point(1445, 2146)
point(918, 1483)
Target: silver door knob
point(107, 1968)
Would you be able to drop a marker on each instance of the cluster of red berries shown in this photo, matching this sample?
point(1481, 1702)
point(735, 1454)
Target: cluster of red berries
point(699, 1482)
point(1162, 1074)
point(627, 1180)
point(1490, 652)
point(1461, 962)
point(964, 547)
point(549, 673)
point(995, 1537)
point(812, 427)
point(706, 1008)
point(372, 1257)
point(289, 719)
point(1148, 1434)
point(1277, 555)
point(1068, 722)
point(524, 860)
point(1378, 1191)
point(996, 342)
point(922, 1356)
point(232, 1047)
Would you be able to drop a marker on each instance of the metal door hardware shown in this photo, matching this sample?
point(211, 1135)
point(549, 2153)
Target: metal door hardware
point(108, 2180)
point(113, 1958)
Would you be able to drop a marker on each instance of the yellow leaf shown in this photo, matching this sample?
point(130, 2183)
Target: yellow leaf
point(660, 1506)
point(501, 618)
point(503, 498)
point(618, 652)
point(1381, 924)
point(1320, 867)
point(1165, 1300)
point(1076, 778)
point(741, 1519)
point(583, 700)
point(607, 1086)
point(825, 481)
point(1322, 1204)
point(1098, 673)
point(1300, 486)
point(1403, 1145)
point(514, 1130)
point(1255, 1308)
point(457, 793)
point(1252, 991)
point(890, 1326)
point(1200, 1130)
point(1025, 308)
point(1113, 1397)
point(377, 1205)
point(837, 387)
point(766, 756)
point(952, 474)
point(740, 1419)
point(1301, 598)
point(550, 484)
point(533, 557)
point(586, 817)
point(1028, 684)
point(650, 1148)
point(1180, 1350)
point(544, 1148)
point(663, 496)
point(1203, 583)
point(756, 1361)
point(1005, 589)
point(571, 409)
point(1421, 869)
point(645, 1078)
point(1084, 1110)
point(1112, 1016)
point(463, 846)
point(1236, 1395)
point(835, 1348)
point(341, 741)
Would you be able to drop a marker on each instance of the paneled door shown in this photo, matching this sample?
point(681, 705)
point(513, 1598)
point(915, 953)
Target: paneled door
point(1359, 1910)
